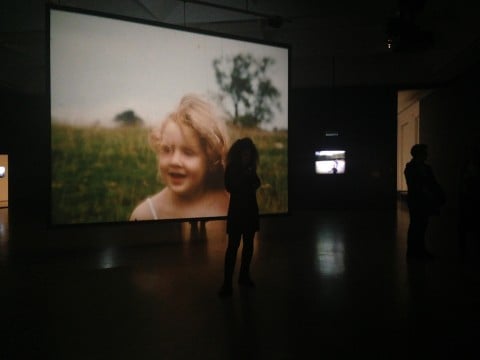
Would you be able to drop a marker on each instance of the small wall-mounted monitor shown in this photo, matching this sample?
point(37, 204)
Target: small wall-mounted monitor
point(2, 171)
point(330, 162)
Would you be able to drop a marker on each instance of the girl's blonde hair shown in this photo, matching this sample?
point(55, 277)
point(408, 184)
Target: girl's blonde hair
point(208, 122)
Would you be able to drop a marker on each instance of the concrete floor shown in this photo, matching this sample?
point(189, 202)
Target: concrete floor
point(330, 285)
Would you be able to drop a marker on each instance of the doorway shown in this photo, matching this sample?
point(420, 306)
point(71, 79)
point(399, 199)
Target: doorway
point(3, 181)
point(408, 130)
point(3, 206)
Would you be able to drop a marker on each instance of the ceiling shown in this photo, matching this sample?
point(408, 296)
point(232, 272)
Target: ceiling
point(333, 43)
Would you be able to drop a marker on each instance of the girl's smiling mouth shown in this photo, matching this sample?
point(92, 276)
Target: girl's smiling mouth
point(175, 176)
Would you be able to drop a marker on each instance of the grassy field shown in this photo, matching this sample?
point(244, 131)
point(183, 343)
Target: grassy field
point(100, 174)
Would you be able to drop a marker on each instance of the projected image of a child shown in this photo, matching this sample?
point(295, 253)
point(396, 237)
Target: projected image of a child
point(191, 145)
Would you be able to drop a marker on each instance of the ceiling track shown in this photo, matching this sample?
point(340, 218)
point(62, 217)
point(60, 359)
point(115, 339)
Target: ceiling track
point(230, 8)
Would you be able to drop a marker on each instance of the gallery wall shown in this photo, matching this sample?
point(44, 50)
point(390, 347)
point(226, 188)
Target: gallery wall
point(364, 118)
point(365, 121)
point(450, 125)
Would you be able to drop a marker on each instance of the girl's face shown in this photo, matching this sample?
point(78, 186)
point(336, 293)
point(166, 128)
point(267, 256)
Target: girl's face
point(182, 161)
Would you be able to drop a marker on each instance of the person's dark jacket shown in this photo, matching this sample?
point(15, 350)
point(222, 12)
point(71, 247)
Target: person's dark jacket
point(424, 193)
point(242, 185)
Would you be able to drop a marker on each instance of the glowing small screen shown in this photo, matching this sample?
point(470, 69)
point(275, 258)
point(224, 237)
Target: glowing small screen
point(330, 162)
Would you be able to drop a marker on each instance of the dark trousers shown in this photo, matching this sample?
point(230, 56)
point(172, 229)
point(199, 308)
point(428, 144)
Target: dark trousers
point(416, 231)
point(231, 256)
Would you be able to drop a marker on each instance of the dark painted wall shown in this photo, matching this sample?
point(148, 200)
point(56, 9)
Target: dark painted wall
point(365, 119)
point(449, 125)
point(24, 136)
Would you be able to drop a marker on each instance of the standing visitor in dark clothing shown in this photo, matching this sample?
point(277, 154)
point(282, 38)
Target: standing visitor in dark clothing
point(242, 182)
point(424, 198)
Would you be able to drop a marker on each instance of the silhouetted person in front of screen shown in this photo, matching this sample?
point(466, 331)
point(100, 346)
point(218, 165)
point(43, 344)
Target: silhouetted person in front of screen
point(469, 197)
point(242, 182)
point(424, 199)
point(334, 169)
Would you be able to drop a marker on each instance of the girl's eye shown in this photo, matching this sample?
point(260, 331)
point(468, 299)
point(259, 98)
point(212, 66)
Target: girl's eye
point(188, 152)
point(165, 149)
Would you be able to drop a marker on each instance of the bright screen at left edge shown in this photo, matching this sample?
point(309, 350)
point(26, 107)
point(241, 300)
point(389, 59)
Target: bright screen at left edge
point(114, 83)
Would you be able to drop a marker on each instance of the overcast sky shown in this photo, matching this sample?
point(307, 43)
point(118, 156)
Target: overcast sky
point(101, 67)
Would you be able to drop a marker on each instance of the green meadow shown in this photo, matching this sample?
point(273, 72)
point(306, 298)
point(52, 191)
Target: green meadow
point(100, 174)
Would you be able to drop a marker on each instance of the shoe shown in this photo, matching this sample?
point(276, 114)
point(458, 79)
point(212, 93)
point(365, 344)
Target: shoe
point(225, 291)
point(247, 282)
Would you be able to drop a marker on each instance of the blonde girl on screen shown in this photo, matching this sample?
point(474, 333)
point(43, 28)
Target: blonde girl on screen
point(191, 145)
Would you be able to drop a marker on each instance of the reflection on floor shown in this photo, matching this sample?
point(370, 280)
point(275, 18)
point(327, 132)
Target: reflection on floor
point(333, 284)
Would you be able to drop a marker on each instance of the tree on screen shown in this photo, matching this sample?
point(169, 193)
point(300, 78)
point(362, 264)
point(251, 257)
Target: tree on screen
point(244, 80)
point(128, 118)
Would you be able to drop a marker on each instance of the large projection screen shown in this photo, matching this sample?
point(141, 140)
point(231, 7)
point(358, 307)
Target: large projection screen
point(116, 84)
